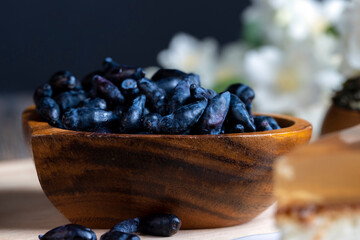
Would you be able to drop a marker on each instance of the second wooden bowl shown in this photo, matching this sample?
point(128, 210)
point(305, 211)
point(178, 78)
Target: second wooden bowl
point(338, 118)
point(208, 181)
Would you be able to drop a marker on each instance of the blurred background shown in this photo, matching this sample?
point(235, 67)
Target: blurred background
point(290, 52)
point(40, 38)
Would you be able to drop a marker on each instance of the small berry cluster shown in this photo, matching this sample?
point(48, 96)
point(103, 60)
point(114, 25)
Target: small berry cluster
point(157, 224)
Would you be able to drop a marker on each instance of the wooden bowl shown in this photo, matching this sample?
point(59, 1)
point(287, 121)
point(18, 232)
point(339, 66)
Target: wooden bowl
point(208, 181)
point(338, 118)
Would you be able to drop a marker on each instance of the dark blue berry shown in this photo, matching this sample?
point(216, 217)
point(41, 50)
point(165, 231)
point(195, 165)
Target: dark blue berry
point(151, 122)
point(168, 84)
point(109, 64)
point(87, 119)
point(69, 99)
point(238, 128)
point(87, 81)
point(122, 72)
point(130, 121)
point(69, 232)
point(94, 103)
point(239, 115)
point(107, 90)
point(168, 79)
point(63, 81)
point(193, 78)
point(129, 88)
point(146, 111)
point(127, 226)
point(262, 124)
point(156, 97)
point(198, 93)
point(116, 235)
point(180, 96)
point(214, 115)
point(244, 92)
point(160, 225)
point(183, 118)
point(49, 110)
point(44, 90)
point(274, 125)
point(168, 73)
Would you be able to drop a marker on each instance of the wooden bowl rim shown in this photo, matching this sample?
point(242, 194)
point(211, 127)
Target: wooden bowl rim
point(345, 110)
point(44, 128)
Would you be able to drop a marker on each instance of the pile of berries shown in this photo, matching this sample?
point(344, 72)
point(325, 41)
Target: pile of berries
point(162, 224)
point(120, 99)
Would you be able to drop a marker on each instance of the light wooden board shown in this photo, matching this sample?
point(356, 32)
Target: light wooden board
point(25, 212)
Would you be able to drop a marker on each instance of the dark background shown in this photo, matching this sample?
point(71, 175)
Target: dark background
point(40, 37)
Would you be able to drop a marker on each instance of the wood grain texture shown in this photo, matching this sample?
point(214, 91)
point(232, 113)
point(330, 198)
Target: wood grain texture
point(338, 118)
point(25, 211)
point(206, 180)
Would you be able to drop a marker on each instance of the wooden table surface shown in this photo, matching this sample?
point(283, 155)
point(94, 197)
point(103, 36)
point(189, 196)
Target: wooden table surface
point(25, 212)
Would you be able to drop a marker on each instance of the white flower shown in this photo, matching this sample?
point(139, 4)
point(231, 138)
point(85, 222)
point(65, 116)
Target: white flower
point(261, 65)
point(291, 81)
point(333, 10)
point(191, 55)
point(229, 64)
point(350, 36)
point(297, 20)
point(298, 27)
point(295, 71)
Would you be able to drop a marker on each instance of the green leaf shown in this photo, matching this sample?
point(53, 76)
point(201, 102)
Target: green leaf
point(331, 30)
point(252, 34)
point(223, 84)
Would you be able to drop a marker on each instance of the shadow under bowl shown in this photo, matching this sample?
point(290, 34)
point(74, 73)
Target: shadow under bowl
point(100, 179)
